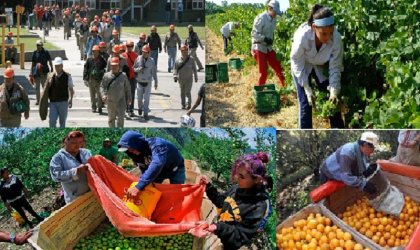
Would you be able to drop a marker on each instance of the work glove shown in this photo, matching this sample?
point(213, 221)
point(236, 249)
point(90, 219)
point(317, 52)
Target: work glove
point(334, 95)
point(370, 188)
point(370, 170)
point(268, 41)
point(309, 94)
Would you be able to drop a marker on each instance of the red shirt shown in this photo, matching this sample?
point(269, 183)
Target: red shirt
point(130, 57)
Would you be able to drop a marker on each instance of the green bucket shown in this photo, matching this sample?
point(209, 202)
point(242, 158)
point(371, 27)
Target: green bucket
point(211, 73)
point(222, 72)
point(267, 98)
point(235, 63)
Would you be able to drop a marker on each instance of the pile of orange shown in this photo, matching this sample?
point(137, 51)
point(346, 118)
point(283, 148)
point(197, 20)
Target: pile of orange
point(385, 230)
point(315, 233)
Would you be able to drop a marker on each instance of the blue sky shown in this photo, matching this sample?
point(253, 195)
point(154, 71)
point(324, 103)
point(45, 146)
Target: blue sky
point(284, 4)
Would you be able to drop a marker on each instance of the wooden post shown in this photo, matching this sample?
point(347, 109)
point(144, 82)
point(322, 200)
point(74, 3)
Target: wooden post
point(18, 28)
point(22, 56)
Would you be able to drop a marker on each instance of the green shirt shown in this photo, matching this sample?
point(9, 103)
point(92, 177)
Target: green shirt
point(109, 153)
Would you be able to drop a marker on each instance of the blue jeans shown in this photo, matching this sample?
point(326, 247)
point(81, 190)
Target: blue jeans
point(171, 58)
point(58, 110)
point(154, 54)
point(144, 92)
point(305, 110)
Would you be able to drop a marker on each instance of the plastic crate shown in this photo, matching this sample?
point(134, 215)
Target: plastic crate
point(235, 63)
point(211, 73)
point(222, 72)
point(267, 98)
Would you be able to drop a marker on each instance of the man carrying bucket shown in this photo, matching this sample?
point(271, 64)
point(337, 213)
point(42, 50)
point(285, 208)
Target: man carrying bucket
point(157, 159)
point(349, 163)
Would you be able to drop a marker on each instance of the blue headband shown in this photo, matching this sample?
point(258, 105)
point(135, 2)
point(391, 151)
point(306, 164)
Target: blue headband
point(324, 21)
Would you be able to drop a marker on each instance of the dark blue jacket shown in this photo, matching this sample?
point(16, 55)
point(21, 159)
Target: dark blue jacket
point(165, 157)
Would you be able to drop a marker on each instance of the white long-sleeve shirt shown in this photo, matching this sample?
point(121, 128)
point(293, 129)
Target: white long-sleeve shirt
point(227, 29)
point(264, 26)
point(305, 57)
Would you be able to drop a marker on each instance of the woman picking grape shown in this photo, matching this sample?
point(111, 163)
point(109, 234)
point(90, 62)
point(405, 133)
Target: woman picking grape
point(317, 47)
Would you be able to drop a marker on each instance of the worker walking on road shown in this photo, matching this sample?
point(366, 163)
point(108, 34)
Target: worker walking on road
point(66, 24)
point(262, 43)
point(94, 39)
point(83, 36)
point(140, 43)
point(93, 73)
point(115, 41)
point(115, 91)
point(59, 92)
point(170, 45)
point(155, 44)
point(39, 69)
point(184, 70)
point(193, 41)
point(131, 57)
point(145, 68)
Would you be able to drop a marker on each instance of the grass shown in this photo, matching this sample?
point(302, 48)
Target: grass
point(23, 31)
point(30, 44)
point(182, 31)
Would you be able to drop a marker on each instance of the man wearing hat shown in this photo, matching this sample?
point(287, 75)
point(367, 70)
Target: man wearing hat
point(10, 92)
point(10, 49)
point(155, 44)
point(115, 91)
point(193, 41)
point(102, 52)
point(83, 36)
point(349, 163)
point(93, 72)
point(59, 93)
point(131, 57)
point(123, 62)
point(77, 23)
point(94, 39)
point(172, 41)
point(66, 25)
point(115, 40)
point(262, 42)
point(145, 68)
point(107, 28)
point(157, 159)
point(227, 31)
point(39, 68)
point(140, 43)
point(184, 71)
point(108, 151)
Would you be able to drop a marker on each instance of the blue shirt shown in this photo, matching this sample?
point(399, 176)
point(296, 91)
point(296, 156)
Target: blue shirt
point(63, 168)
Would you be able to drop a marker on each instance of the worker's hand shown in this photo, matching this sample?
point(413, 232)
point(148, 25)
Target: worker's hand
point(156, 86)
point(200, 231)
point(82, 169)
point(204, 180)
point(196, 80)
point(86, 83)
point(189, 112)
point(9, 208)
point(268, 41)
point(370, 170)
point(133, 194)
point(70, 104)
point(334, 95)
point(26, 115)
point(104, 98)
point(22, 238)
point(212, 228)
point(370, 188)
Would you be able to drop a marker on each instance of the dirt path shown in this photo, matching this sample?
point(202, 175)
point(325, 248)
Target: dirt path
point(46, 198)
point(231, 104)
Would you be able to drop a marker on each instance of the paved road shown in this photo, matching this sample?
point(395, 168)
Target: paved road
point(165, 102)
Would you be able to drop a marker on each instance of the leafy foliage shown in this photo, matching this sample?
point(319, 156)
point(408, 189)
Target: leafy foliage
point(380, 82)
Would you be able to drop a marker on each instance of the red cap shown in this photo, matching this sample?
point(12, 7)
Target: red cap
point(115, 61)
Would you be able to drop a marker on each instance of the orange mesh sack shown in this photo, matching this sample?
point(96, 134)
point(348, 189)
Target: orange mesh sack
point(177, 211)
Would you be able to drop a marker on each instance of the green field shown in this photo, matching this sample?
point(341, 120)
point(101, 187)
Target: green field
point(181, 30)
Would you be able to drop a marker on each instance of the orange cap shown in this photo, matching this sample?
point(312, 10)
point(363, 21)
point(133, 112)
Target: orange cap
point(102, 45)
point(95, 48)
point(10, 33)
point(171, 27)
point(9, 73)
point(142, 35)
point(123, 47)
point(94, 29)
point(115, 61)
point(115, 32)
point(184, 47)
point(116, 48)
point(146, 48)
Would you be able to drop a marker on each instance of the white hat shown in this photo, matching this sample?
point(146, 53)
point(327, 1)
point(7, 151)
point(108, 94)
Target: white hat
point(370, 137)
point(122, 149)
point(275, 5)
point(58, 61)
point(39, 42)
